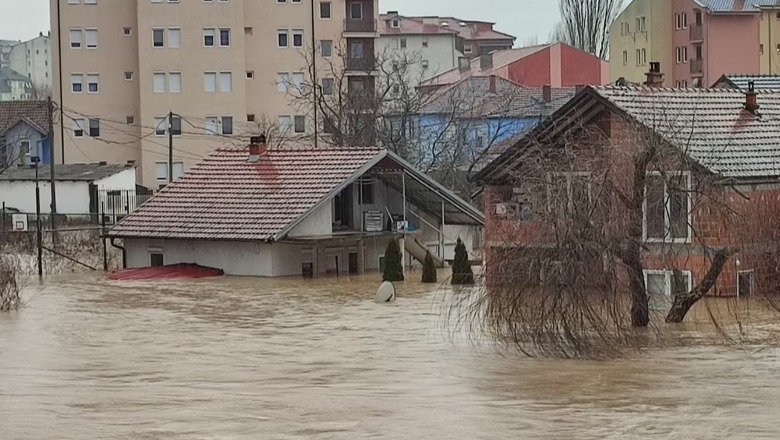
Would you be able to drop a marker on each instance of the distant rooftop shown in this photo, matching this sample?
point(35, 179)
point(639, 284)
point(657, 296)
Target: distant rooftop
point(736, 5)
point(77, 172)
point(740, 81)
point(469, 30)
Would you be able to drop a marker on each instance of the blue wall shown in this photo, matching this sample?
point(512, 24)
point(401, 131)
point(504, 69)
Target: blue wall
point(24, 132)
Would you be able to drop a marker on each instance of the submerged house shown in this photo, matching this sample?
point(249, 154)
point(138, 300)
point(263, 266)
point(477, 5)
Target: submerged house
point(24, 132)
point(680, 173)
point(294, 212)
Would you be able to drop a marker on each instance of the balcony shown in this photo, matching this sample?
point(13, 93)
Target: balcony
point(697, 66)
point(365, 64)
point(697, 32)
point(360, 25)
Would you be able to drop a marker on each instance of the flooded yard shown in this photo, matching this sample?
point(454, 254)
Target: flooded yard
point(233, 358)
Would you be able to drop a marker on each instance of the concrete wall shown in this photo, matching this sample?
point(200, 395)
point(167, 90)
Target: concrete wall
point(318, 223)
point(732, 46)
point(656, 40)
point(72, 197)
point(441, 54)
point(124, 180)
point(33, 60)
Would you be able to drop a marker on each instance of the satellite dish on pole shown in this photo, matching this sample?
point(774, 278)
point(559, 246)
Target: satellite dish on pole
point(385, 293)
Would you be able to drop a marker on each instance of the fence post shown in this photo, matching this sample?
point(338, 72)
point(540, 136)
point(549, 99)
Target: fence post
point(103, 236)
point(3, 216)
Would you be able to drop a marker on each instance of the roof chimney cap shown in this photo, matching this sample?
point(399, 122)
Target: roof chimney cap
point(655, 67)
point(751, 99)
point(257, 140)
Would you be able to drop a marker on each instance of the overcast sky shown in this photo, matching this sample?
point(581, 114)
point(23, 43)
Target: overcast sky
point(526, 19)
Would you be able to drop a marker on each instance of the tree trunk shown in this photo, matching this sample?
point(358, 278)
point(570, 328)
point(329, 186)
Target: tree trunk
point(684, 301)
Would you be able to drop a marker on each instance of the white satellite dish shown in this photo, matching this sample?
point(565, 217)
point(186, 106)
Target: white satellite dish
point(385, 293)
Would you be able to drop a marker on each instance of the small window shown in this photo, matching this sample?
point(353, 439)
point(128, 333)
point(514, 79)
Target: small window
point(208, 37)
point(178, 170)
point(282, 38)
point(395, 23)
point(300, 124)
point(75, 38)
point(91, 36)
point(76, 82)
point(93, 83)
point(282, 78)
point(625, 57)
point(250, 118)
point(212, 125)
point(285, 122)
point(227, 125)
point(297, 37)
point(225, 82)
point(250, 74)
point(467, 49)
point(326, 48)
point(127, 31)
point(128, 76)
point(210, 82)
point(356, 11)
point(159, 82)
point(160, 127)
point(174, 82)
point(174, 37)
point(367, 193)
point(161, 171)
point(78, 128)
point(224, 37)
point(297, 79)
point(324, 9)
point(176, 126)
point(158, 37)
point(745, 284)
point(94, 127)
point(424, 64)
point(327, 86)
point(248, 31)
point(403, 43)
point(130, 120)
point(425, 42)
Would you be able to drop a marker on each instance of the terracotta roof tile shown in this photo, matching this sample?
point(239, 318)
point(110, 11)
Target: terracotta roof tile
point(35, 112)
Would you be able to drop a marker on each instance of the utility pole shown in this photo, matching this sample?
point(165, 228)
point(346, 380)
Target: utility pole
point(38, 224)
point(170, 147)
point(314, 70)
point(62, 104)
point(53, 210)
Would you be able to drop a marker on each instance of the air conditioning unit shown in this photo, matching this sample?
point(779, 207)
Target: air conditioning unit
point(19, 222)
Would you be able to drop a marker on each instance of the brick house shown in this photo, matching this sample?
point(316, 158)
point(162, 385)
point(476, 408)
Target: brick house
point(714, 183)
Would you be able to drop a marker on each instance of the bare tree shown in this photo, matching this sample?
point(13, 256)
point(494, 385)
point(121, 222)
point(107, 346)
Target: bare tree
point(585, 24)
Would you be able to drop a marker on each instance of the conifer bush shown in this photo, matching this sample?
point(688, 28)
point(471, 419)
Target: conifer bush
point(461, 269)
point(429, 269)
point(393, 266)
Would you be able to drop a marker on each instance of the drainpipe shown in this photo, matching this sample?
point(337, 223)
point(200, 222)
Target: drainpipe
point(124, 253)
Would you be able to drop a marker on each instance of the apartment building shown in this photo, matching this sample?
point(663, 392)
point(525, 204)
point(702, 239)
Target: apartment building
point(224, 69)
point(426, 50)
point(696, 41)
point(32, 59)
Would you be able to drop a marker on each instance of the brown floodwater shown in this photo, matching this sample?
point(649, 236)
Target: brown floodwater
point(233, 358)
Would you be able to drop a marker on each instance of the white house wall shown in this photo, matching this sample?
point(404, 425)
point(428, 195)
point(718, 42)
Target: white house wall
point(318, 223)
point(441, 54)
point(123, 180)
point(72, 197)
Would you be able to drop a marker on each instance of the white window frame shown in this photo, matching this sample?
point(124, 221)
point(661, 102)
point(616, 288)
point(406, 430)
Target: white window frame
point(78, 124)
point(212, 122)
point(298, 32)
point(155, 83)
point(160, 121)
point(668, 274)
point(222, 125)
point(87, 32)
point(215, 75)
point(162, 30)
point(220, 84)
point(172, 75)
point(285, 32)
point(178, 31)
point(73, 32)
point(157, 168)
point(330, 10)
point(96, 76)
point(229, 35)
point(80, 76)
point(213, 35)
point(282, 81)
point(667, 239)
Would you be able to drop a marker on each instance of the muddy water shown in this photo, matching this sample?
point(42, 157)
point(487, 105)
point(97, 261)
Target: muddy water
point(257, 359)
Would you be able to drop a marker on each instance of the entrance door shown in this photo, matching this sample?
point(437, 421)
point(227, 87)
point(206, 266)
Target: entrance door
point(353, 263)
point(156, 259)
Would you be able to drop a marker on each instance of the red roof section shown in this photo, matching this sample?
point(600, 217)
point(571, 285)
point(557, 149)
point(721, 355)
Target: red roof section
point(467, 29)
point(227, 197)
point(410, 26)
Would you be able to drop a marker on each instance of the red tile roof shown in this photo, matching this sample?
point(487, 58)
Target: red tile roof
point(410, 26)
point(35, 113)
point(226, 197)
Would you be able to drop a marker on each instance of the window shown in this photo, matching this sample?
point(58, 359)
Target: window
point(174, 37)
point(74, 2)
point(396, 89)
point(297, 35)
point(212, 125)
point(210, 82)
point(395, 23)
point(356, 49)
point(396, 66)
point(224, 37)
point(156, 259)
point(681, 20)
point(326, 47)
point(661, 286)
point(297, 79)
point(162, 171)
point(94, 127)
point(159, 83)
point(225, 82)
point(285, 122)
point(78, 128)
point(300, 124)
point(91, 37)
point(75, 38)
point(250, 118)
point(424, 64)
point(425, 42)
point(160, 127)
point(667, 208)
point(681, 53)
point(324, 9)
point(282, 78)
point(282, 38)
point(158, 37)
point(174, 82)
point(178, 170)
point(250, 74)
point(327, 86)
point(208, 37)
point(367, 193)
point(744, 283)
point(403, 43)
point(227, 125)
point(130, 120)
point(76, 82)
point(356, 11)
point(248, 31)
point(175, 126)
point(568, 193)
point(467, 48)
point(127, 31)
point(625, 57)
point(128, 76)
point(644, 56)
point(93, 82)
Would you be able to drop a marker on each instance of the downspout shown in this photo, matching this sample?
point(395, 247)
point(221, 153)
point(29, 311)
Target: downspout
point(314, 70)
point(124, 253)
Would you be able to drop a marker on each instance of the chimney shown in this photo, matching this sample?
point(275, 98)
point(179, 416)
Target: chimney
point(392, 12)
point(257, 147)
point(492, 83)
point(102, 163)
point(464, 64)
point(486, 61)
point(751, 98)
point(654, 77)
point(131, 163)
point(547, 93)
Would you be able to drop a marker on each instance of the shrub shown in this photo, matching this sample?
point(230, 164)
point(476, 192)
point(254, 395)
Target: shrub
point(461, 268)
point(10, 290)
point(393, 267)
point(429, 269)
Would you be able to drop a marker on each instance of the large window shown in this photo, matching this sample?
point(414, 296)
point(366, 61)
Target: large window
point(661, 286)
point(569, 193)
point(158, 37)
point(325, 10)
point(667, 211)
point(356, 11)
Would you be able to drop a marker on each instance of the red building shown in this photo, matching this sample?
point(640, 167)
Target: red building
point(697, 170)
point(556, 65)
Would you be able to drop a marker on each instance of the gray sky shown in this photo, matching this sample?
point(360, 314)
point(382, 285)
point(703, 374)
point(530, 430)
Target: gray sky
point(23, 19)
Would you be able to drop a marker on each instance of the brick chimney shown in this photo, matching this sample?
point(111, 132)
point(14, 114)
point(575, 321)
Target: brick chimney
point(547, 93)
point(751, 98)
point(464, 64)
point(492, 83)
point(257, 147)
point(654, 77)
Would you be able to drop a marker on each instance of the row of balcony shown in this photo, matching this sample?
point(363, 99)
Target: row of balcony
point(360, 25)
